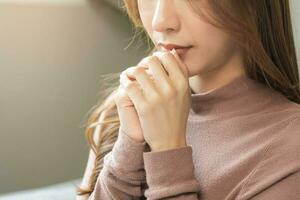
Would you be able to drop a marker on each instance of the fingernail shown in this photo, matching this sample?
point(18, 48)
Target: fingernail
point(176, 54)
point(174, 51)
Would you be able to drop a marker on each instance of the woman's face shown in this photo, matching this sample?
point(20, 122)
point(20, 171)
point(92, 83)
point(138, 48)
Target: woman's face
point(174, 21)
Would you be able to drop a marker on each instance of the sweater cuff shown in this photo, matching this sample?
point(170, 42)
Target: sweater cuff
point(127, 154)
point(170, 172)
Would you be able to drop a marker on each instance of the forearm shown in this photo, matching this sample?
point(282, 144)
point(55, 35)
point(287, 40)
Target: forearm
point(170, 174)
point(123, 171)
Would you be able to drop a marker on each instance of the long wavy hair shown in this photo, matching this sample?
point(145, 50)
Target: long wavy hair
point(262, 28)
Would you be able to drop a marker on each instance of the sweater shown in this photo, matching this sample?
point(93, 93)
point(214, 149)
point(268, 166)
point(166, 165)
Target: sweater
point(243, 142)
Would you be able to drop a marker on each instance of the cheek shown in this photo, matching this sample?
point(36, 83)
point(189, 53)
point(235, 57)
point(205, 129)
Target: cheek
point(146, 11)
point(212, 49)
point(146, 19)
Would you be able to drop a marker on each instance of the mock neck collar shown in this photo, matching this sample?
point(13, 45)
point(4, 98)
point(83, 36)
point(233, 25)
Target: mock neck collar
point(241, 93)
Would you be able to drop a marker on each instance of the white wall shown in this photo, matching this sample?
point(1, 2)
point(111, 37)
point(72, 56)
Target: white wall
point(60, 2)
point(51, 59)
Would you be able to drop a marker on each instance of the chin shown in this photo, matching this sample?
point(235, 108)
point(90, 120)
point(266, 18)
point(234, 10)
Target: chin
point(195, 70)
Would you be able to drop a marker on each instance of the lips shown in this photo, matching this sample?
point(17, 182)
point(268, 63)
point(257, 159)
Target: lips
point(168, 47)
point(181, 50)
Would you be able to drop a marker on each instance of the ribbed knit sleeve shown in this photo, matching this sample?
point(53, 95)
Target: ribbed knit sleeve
point(170, 174)
point(123, 171)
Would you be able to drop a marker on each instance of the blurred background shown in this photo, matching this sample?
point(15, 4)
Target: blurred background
point(52, 56)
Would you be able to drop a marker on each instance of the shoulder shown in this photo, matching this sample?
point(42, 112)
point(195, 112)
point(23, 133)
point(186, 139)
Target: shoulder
point(279, 102)
point(281, 113)
point(286, 140)
point(284, 116)
point(281, 159)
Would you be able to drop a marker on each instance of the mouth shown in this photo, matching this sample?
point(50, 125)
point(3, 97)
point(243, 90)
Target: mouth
point(181, 50)
point(170, 46)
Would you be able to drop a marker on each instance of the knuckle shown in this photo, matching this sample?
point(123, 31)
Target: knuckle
point(144, 61)
point(170, 93)
point(154, 99)
point(138, 71)
point(129, 70)
point(123, 79)
point(130, 86)
point(152, 60)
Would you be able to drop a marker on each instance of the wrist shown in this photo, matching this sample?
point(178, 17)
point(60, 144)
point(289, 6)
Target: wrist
point(169, 146)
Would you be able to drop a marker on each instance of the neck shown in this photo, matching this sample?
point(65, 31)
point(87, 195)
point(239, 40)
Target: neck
point(218, 77)
point(242, 94)
point(203, 84)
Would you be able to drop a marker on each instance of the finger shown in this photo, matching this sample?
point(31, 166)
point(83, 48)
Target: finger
point(142, 66)
point(159, 54)
point(170, 64)
point(132, 89)
point(182, 65)
point(147, 85)
point(158, 72)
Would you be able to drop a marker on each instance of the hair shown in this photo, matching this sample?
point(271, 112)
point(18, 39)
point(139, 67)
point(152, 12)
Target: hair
point(262, 28)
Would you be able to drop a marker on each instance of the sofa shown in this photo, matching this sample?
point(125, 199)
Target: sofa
point(60, 191)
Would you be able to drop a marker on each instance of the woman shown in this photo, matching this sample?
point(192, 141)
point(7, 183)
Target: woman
point(219, 119)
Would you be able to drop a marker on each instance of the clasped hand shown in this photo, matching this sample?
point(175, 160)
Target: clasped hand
point(158, 87)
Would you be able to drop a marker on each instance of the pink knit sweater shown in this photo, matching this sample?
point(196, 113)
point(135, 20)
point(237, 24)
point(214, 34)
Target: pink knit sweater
point(243, 143)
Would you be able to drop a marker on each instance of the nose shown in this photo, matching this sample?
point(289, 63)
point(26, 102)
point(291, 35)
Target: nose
point(165, 17)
